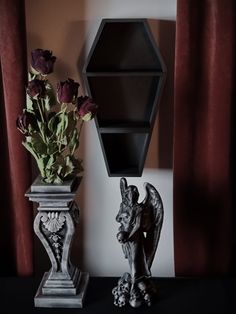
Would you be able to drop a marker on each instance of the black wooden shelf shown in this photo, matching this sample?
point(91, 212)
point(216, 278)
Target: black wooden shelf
point(125, 74)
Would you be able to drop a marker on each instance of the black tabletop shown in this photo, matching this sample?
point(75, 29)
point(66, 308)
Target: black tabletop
point(176, 295)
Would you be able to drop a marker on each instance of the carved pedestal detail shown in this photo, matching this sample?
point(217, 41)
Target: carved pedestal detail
point(64, 285)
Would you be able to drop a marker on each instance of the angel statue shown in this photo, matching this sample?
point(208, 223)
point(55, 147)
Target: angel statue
point(139, 233)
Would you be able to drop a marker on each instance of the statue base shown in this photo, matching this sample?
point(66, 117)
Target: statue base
point(66, 300)
point(143, 291)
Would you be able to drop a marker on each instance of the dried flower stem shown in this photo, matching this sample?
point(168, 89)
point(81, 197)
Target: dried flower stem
point(63, 109)
point(80, 128)
point(79, 132)
point(40, 110)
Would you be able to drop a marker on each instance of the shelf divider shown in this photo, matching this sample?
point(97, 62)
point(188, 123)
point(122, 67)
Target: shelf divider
point(124, 73)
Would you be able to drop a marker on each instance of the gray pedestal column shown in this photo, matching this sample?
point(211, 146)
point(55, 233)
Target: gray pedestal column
point(64, 285)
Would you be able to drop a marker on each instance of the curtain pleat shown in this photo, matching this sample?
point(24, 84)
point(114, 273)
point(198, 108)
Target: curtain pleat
point(203, 127)
point(16, 232)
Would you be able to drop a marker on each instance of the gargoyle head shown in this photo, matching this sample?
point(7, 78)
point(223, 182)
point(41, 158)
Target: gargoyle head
point(130, 194)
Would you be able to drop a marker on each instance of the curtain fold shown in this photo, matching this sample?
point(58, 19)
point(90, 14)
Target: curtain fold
point(204, 121)
point(16, 215)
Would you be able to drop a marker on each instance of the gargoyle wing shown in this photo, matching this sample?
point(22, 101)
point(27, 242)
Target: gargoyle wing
point(152, 221)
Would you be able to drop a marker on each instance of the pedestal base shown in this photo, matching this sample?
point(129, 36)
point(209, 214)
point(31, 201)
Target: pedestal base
point(65, 301)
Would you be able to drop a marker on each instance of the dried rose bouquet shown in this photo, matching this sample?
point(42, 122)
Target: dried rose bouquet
point(52, 125)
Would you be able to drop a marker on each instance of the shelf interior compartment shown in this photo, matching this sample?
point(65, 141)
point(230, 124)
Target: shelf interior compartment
point(124, 46)
point(124, 99)
point(124, 153)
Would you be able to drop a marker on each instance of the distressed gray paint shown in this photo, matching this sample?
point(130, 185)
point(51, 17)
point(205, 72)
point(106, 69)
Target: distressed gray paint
point(64, 285)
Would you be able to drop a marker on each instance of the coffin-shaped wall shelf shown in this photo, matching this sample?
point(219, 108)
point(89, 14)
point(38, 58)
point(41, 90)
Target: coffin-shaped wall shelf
point(124, 74)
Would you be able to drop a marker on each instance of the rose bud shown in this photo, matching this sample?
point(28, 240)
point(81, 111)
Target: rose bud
point(36, 88)
point(42, 61)
point(67, 91)
point(87, 109)
point(25, 122)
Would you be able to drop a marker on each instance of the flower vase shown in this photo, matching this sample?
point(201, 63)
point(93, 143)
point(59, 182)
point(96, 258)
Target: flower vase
point(64, 285)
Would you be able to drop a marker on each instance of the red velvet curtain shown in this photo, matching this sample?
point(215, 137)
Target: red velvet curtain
point(16, 233)
point(205, 83)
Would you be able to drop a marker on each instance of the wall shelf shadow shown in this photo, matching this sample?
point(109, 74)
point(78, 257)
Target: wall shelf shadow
point(124, 74)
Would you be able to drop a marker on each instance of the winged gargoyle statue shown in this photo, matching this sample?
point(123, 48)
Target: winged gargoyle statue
point(139, 233)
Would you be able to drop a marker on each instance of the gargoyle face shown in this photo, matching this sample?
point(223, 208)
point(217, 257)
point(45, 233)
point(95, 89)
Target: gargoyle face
point(126, 217)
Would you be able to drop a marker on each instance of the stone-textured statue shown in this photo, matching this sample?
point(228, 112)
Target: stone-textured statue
point(139, 233)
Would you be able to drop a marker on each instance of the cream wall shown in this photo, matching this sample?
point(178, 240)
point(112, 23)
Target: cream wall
point(68, 29)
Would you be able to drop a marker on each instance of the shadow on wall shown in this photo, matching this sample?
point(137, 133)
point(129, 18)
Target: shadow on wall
point(160, 153)
point(76, 33)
